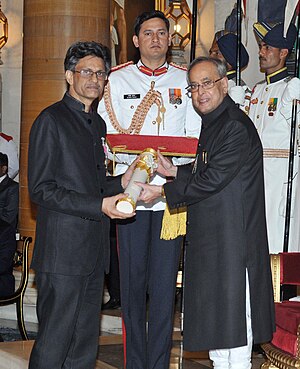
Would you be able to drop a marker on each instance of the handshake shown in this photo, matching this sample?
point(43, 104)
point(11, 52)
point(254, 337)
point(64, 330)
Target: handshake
point(139, 172)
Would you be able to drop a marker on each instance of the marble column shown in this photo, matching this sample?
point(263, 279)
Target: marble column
point(49, 29)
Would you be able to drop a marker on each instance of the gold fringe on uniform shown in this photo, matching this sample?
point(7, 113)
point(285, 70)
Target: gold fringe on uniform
point(173, 223)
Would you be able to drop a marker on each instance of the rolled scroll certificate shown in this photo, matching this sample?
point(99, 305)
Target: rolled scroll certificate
point(142, 172)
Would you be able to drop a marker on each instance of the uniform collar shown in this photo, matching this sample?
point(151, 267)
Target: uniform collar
point(277, 76)
point(149, 72)
point(231, 74)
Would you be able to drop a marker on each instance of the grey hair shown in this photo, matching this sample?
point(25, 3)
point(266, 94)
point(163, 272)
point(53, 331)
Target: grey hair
point(219, 64)
point(80, 49)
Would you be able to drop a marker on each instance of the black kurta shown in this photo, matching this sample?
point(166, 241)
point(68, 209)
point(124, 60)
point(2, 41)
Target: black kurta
point(67, 180)
point(226, 234)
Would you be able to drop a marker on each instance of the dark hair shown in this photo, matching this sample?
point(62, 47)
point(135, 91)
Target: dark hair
point(149, 15)
point(219, 64)
point(80, 49)
point(3, 159)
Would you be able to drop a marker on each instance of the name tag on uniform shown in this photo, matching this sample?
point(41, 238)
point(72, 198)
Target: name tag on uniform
point(132, 96)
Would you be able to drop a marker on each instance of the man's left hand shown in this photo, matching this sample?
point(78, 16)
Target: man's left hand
point(149, 192)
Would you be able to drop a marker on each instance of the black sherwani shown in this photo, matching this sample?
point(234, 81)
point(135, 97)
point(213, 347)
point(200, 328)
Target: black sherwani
point(67, 180)
point(224, 193)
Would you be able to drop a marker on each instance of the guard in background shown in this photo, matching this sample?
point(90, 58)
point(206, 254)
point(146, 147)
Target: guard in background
point(8, 147)
point(9, 205)
point(224, 47)
point(148, 98)
point(271, 111)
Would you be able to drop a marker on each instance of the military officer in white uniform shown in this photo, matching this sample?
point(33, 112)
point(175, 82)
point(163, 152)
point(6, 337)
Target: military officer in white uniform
point(271, 110)
point(148, 98)
point(8, 147)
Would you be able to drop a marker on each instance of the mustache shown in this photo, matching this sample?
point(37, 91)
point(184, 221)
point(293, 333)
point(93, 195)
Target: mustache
point(93, 85)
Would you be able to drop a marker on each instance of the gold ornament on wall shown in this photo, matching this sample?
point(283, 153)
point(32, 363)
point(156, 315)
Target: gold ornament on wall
point(3, 31)
point(180, 18)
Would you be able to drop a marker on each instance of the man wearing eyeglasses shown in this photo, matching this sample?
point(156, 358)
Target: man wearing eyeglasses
point(228, 294)
point(74, 197)
point(148, 98)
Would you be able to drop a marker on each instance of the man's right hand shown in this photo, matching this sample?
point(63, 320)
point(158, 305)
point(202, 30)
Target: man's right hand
point(109, 207)
point(129, 172)
point(165, 167)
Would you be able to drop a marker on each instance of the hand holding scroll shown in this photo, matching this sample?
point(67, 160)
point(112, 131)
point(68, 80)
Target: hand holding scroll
point(145, 166)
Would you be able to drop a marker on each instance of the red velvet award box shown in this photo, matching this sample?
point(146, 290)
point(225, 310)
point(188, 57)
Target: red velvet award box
point(167, 145)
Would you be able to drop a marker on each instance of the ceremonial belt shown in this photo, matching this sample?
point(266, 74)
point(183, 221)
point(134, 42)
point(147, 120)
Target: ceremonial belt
point(276, 153)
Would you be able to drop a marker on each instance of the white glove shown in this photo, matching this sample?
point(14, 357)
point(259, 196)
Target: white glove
point(237, 93)
point(292, 91)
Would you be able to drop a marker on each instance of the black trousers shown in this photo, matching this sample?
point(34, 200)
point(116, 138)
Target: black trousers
point(68, 310)
point(113, 277)
point(148, 265)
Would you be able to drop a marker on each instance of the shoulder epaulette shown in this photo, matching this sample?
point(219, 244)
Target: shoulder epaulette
point(120, 66)
point(257, 84)
point(6, 137)
point(178, 66)
point(261, 82)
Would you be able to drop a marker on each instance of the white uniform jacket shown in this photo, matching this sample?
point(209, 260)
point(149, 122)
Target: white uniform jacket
point(8, 147)
point(271, 111)
point(128, 86)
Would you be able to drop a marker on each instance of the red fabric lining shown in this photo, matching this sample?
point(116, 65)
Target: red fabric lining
point(288, 315)
point(286, 341)
point(168, 145)
point(289, 268)
point(6, 137)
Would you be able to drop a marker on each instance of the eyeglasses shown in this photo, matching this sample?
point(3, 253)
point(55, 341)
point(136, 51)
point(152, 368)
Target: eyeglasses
point(88, 73)
point(207, 85)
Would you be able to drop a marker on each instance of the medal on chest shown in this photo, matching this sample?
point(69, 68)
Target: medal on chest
point(272, 105)
point(105, 150)
point(254, 101)
point(195, 164)
point(203, 155)
point(175, 96)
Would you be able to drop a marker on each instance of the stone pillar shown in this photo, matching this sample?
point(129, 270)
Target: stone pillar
point(49, 29)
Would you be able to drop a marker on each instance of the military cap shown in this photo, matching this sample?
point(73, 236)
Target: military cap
point(228, 47)
point(273, 34)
